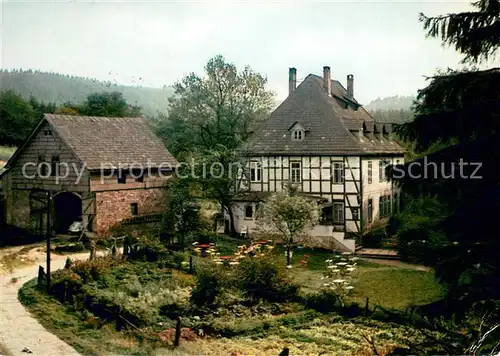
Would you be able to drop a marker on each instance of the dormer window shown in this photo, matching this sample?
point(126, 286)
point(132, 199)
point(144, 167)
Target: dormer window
point(298, 135)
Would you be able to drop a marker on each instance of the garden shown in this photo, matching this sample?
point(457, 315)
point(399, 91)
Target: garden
point(224, 295)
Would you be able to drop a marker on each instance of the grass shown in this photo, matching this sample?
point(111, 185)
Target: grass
point(300, 329)
point(388, 286)
point(83, 335)
point(326, 335)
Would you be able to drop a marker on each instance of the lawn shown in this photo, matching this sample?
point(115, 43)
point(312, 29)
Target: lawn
point(150, 294)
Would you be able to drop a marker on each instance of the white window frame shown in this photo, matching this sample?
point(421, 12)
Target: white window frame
point(338, 178)
point(296, 171)
point(255, 172)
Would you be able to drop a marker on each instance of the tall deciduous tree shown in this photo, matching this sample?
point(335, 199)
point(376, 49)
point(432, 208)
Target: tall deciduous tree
point(288, 215)
point(219, 108)
point(457, 119)
point(210, 117)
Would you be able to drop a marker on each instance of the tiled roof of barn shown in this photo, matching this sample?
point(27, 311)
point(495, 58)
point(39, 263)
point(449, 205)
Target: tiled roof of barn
point(332, 128)
point(112, 141)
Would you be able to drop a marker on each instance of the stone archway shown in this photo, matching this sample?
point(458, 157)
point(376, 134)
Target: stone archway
point(67, 208)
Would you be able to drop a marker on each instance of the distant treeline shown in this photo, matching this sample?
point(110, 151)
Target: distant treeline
point(59, 89)
point(18, 116)
point(392, 116)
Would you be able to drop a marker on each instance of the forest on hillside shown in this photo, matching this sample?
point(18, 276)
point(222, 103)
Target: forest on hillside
point(397, 102)
point(60, 89)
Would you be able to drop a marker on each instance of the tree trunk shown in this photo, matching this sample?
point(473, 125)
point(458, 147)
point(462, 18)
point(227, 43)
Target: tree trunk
point(289, 254)
point(232, 228)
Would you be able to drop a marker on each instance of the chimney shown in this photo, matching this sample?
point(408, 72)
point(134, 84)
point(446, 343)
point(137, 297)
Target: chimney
point(350, 86)
point(327, 82)
point(292, 80)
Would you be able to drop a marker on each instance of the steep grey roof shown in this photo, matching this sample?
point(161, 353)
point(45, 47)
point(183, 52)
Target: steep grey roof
point(112, 141)
point(332, 128)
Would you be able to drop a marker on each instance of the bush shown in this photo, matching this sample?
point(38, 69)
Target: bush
point(66, 285)
point(95, 269)
point(265, 278)
point(205, 237)
point(210, 285)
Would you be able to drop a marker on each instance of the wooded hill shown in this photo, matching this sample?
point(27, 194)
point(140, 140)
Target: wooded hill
point(60, 89)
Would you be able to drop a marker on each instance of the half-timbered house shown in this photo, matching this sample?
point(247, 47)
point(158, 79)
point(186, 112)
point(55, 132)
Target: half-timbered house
point(323, 140)
point(100, 171)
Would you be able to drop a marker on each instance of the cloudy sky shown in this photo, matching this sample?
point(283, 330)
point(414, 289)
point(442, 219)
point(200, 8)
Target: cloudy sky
point(155, 43)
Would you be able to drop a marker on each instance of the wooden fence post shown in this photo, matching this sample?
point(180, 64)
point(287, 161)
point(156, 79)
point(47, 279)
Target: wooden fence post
point(41, 276)
point(118, 319)
point(178, 331)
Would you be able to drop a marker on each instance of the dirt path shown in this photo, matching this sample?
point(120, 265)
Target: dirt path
point(18, 329)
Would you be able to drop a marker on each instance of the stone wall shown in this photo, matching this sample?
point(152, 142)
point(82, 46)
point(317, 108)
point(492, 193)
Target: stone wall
point(114, 206)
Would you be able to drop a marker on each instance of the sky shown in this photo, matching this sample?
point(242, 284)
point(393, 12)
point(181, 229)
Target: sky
point(153, 43)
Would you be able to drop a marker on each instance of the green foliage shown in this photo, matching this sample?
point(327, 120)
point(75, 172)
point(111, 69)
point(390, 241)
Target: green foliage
point(287, 214)
point(17, 118)
point(265, 278)
point(215, 109)
point(182, 216)
point(61, 89)
point(473, 33)
point(108, 104)
point(210, 117)
point(211, 285)
point(457, 121)
point(419, 229)
point(339, 276)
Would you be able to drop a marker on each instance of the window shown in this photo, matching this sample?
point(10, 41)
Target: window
point(370, 210)
point(338, 213)
point(122, 179)
point(355, 213)
point(382, 164)
point(326, 216)
point(47, 132)
point(248, 212)
point(295, 172)
point(385, 206)
point(134, 209)
point(338, 172)
point(370, 172)
point(55, 166)
point(298, 135)
point(255, 172)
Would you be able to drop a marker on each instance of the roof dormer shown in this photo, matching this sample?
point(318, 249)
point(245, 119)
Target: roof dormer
point(297, 132)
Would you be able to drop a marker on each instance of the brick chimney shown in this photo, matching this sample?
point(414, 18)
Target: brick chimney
point(350, 86)
point(292, 80)
point(327, 82)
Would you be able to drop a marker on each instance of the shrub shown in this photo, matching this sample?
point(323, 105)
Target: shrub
point(210, 285)
point(94, 269)
point(66, 284)
point(205, 237)
point(265, 278)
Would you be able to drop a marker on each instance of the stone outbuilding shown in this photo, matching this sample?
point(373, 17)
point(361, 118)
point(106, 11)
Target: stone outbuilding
point(100, 170)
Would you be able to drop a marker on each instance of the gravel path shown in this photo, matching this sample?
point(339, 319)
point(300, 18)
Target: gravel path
point(18, 329)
